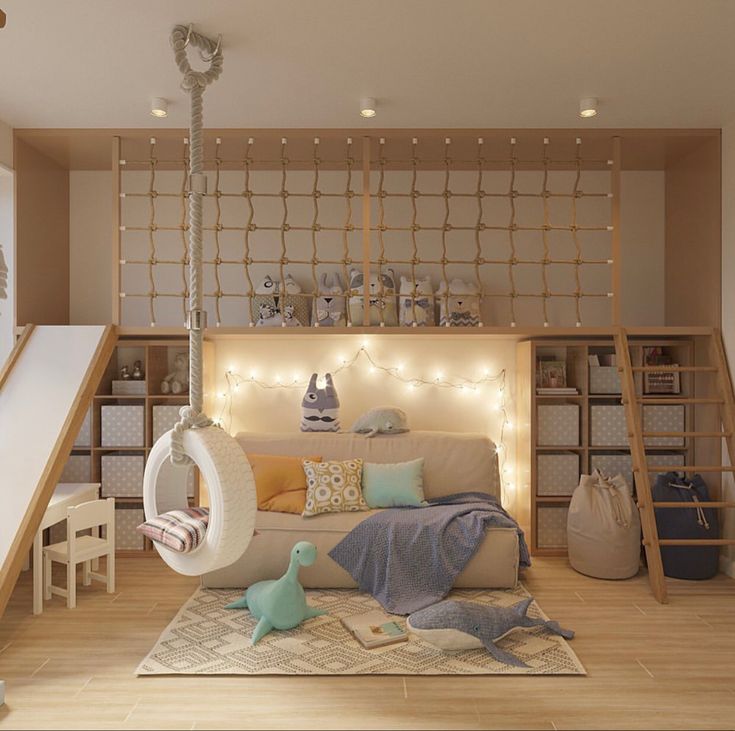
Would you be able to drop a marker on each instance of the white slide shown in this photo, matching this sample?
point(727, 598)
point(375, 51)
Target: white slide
point(46, 388)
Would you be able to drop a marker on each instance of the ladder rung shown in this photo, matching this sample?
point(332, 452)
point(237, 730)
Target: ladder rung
point(692, 434)
point(697, 542)
point(712, 504)
point(673, 369)
point(677, 400)
point(688, 468)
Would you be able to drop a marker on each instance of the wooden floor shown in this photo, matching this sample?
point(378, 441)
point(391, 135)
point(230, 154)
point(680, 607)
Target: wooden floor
point(649, 666)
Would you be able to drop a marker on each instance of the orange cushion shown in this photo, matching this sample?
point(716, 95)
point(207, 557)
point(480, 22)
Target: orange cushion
point(280, 482)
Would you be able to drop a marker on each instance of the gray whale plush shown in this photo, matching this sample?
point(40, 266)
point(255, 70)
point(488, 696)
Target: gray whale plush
point(454, 625)
point(381, 420)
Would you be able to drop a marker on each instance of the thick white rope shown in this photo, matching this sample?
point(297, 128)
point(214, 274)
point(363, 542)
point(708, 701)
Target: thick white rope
point(194, 83)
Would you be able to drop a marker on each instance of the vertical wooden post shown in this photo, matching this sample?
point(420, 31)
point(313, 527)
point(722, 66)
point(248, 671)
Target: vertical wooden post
point(116, 235)
point(616, 240)
point(366, 230)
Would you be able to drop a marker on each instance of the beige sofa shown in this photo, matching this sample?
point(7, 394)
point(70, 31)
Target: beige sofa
point(452, 463)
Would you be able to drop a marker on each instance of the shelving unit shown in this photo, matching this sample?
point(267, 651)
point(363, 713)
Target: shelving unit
point(156, 356)
point(546, 527)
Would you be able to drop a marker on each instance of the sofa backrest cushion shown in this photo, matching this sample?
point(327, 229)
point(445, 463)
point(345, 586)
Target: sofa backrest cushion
point(453, 462)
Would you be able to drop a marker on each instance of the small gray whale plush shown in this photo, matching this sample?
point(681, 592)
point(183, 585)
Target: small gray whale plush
point(381, 420)
point(454, 625)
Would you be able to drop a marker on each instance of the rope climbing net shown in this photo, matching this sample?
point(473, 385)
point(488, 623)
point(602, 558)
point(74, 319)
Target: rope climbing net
point(297, 229)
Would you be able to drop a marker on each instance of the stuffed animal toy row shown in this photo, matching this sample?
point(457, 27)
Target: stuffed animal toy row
point(412, 304)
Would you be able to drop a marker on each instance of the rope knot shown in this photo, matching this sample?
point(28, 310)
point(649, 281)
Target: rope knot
point(193, 80)
point(189, 419)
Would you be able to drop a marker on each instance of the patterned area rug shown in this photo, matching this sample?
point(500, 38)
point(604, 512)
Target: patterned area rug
point(206, 639)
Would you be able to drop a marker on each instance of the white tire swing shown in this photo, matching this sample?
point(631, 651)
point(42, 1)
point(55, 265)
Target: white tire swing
point(194, 441)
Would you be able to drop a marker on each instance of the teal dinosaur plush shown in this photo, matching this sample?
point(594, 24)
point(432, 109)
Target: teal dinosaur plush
point(280, 603)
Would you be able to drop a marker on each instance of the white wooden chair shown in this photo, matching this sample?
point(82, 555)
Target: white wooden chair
point(82, 549)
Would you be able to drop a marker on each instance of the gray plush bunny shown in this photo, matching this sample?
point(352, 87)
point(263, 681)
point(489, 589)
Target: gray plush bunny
point(329, 306)
point(320, 406)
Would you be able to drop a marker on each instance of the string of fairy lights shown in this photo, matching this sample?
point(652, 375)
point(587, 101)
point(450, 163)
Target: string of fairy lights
point(464, 386)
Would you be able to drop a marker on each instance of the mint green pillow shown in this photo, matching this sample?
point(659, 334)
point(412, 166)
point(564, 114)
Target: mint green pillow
point(393, 485)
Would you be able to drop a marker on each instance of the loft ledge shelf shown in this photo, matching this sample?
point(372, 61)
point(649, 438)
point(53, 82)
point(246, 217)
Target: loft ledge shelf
point(214, 333)
point(168, 336)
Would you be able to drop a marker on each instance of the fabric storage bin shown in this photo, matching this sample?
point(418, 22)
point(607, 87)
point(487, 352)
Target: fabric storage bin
point(605, 379)
point(122, 475)
point(78, 468)
point(612, 465)
point(663, 418)
point(122, 426)
point(127, 519)
point(164, 418)
point(84, 438)
point(551, 527)
point(666, 460)
point(558, 425)
point(607, 426)
point(557, 474)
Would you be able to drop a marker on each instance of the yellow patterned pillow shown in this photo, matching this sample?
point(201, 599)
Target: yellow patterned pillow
point(333, 487)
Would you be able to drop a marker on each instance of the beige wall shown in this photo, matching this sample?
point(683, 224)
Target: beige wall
point(6, 145)
point(90, 247)
point(728, 303)
point(428, 407)
point(642, 233)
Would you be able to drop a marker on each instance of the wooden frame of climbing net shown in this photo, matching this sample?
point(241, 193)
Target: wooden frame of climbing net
point(375, 174)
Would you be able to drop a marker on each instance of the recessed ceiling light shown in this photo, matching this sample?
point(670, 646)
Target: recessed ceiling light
point(159, 107)
point(367, 107)
point(588, 107)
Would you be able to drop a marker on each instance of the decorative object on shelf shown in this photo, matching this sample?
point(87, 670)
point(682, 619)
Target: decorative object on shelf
point(457, 625)
point(329, 305)
point(177, 381)
point(604, 528)
point(125, 373)
point(280, 604)
point(416, 302)
point(697, 523)
point(137, 374)
point(280, 306)
point(459, 304)
point(551, 374)
point(381, 295)
point(664, 381)
point(128, 388)
point(381, 420)
point(320, 406)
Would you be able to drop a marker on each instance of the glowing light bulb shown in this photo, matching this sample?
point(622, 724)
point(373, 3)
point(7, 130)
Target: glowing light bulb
point(231, 369)
point(509, 425)
point(439, 376)
point(399, 367)
point(372, 369)
point(222, 395)
point(237, 387)
point(278, 379)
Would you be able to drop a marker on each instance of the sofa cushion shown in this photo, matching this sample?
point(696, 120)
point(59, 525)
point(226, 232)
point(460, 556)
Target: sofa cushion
point(280, 482)
point(394, 485)
point(453, 462)
point(333, 487)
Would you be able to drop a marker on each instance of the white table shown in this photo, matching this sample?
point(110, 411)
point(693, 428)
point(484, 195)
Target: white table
point(65, 496)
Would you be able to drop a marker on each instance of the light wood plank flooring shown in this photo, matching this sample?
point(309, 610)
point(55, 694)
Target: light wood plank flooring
point(649, 666)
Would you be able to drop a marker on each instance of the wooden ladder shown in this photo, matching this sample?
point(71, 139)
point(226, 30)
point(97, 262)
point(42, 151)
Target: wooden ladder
point(642, 469)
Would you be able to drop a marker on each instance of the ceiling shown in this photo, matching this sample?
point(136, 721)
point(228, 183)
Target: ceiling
point(430, 63)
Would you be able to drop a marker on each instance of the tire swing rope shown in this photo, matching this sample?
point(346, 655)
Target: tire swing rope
point(194, 440)
point(194, 83)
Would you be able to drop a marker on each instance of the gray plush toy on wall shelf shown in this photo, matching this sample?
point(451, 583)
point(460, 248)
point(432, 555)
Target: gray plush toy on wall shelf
point(381, 420)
